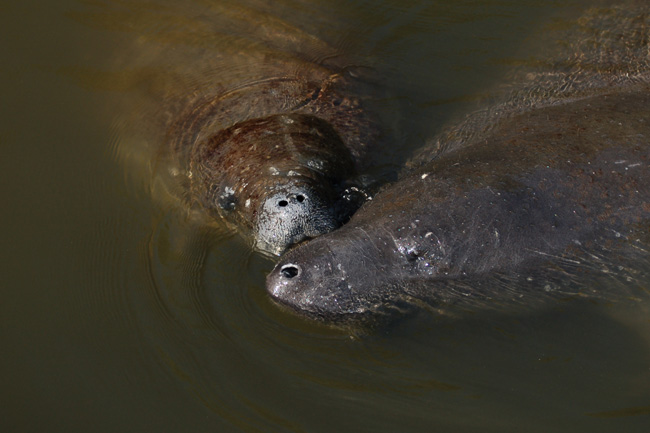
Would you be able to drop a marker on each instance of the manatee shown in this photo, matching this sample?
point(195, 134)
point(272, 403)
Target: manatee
point(267, 128)
point(539, 206)
point(288, 168)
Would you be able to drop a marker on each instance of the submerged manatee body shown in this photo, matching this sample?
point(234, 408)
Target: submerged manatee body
point(286, 170)
point(266, 126)
point(541, 204)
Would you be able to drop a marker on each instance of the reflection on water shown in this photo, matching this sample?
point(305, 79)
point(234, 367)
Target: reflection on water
point(123, 311)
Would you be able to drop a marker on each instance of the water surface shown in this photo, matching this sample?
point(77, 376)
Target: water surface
point(121, 312)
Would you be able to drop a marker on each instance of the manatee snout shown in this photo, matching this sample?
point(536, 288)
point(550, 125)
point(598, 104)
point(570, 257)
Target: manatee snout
point(324, 285)
point(300, 287)
point(296, 287)
point(318, 288)
point(290, 215)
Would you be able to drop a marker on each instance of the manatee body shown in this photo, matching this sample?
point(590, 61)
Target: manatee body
point(278, 160)
point(550, 196)
point(542, 193)
point(250, 118)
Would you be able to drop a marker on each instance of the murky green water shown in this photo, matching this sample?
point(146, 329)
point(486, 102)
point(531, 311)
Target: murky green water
point(118, 312)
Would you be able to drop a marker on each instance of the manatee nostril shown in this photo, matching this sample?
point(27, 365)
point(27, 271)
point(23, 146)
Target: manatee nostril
point(283, 203)
point(290, 271)
point(412, 256)
point(300, 198)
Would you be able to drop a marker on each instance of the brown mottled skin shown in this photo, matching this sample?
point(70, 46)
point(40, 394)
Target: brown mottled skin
point(328, 93)
point(290, 140)
point(544, 203)
point(246, 112)
point(239, 166)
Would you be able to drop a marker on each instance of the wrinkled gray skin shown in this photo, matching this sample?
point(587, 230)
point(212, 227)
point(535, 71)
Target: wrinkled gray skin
point(541, 205)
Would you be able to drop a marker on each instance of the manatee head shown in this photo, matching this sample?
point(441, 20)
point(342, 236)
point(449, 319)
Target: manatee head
point(278, 179)
point(340, 277)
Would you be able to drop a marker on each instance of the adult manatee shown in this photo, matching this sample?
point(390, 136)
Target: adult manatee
point(542, 203)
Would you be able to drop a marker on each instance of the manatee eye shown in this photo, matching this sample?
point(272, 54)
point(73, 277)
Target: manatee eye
point(283, 203)
point(289, 271)
point(300, 198)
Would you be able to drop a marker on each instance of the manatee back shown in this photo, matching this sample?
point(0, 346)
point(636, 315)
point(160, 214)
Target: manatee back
point(607, 46)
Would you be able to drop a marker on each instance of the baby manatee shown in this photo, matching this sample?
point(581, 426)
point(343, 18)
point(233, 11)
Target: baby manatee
point(551, 199)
